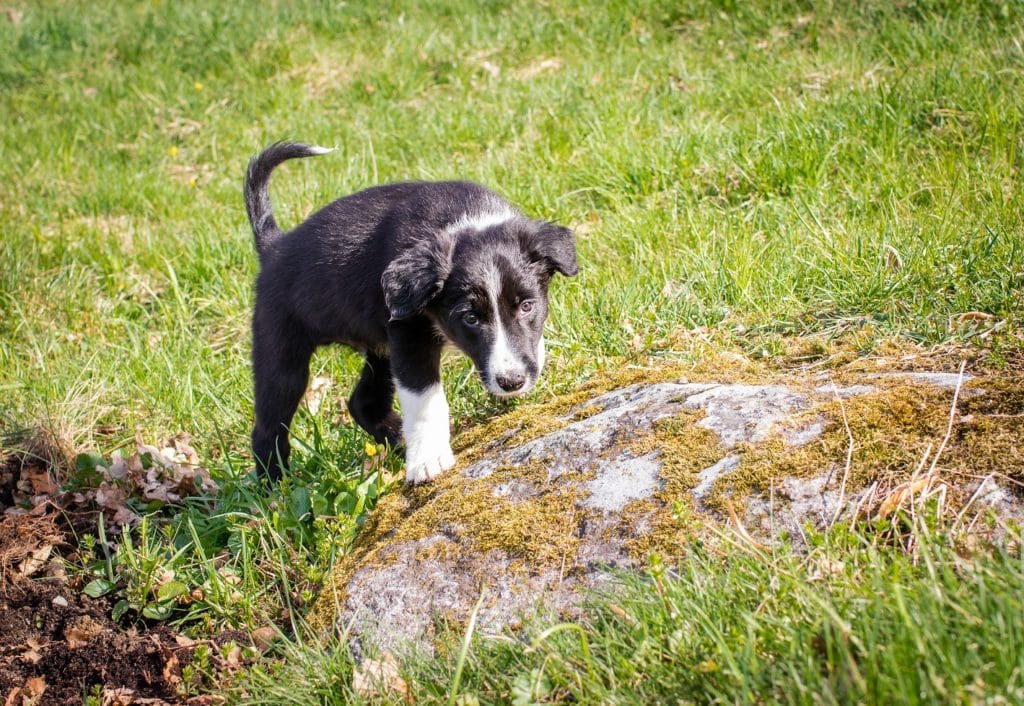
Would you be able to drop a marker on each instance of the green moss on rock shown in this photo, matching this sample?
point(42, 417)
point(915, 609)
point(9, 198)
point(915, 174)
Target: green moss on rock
point(539, 529)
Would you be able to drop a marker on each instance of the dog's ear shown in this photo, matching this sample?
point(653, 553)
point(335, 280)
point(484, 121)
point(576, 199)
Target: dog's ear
point(555, 247)
point(416, 276)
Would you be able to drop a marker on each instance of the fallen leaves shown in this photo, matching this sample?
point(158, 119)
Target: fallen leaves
point(27, 545)
point(908, 494)
point(316, 392)
point(27, 695)
point(81, 631)
point(33, 654)
point(35, 560)
point(263, 638)
point(379, 678)
point(166, 474)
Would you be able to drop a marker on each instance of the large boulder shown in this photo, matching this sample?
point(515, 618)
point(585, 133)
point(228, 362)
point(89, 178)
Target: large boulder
point(547, 498)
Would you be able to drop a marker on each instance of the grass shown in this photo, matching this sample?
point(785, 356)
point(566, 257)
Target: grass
point(785, 168)
point(851, 621)
point(772, 174)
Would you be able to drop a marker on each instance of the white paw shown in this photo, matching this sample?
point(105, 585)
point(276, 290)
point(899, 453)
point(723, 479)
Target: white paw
point(428, 452)
point(427, 464)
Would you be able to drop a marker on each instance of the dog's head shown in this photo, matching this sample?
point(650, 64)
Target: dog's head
point(485, 287)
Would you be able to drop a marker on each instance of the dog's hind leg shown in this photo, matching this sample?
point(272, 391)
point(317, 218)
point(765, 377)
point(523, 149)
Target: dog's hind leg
point(371, 401)
point(280, 366)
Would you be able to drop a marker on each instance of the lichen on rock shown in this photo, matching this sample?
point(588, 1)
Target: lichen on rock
point(546, 498)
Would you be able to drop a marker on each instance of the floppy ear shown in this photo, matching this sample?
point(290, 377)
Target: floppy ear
point(554, 246)
point(416, 276)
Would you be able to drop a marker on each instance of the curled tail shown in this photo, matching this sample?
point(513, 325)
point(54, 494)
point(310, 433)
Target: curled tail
point(257, 179)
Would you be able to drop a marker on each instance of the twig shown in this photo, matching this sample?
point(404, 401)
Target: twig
point(869, 493)
point(952, 417)
point(970, 501)
point(849, 456)
point(742, 531)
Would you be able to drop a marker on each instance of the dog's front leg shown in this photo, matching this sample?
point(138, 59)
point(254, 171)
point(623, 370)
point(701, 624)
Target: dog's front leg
point(416, 366)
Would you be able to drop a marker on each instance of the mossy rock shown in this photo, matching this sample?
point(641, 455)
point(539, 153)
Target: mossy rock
point(547, 498)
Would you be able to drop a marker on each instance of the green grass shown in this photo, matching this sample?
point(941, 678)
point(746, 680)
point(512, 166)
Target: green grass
point(767, 170)
point(848, 622)
point(793, 167)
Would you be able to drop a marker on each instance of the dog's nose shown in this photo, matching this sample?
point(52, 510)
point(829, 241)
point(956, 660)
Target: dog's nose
point(510, 382)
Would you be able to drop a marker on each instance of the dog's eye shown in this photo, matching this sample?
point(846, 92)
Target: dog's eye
point(526, 307)
point(470, 319)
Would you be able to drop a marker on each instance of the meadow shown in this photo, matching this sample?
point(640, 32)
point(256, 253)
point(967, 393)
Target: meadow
point(773, 179)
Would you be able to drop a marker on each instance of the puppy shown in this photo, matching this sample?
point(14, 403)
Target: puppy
point(397, 272)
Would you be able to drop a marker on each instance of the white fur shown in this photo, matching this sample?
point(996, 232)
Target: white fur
point(501, 361)
point(317, 149)
point(540, 355)
point(481, 221)
point(428, 451)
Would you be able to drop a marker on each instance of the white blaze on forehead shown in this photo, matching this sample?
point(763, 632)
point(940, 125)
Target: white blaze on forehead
point(502, 360)
point(428, 450)
point(540, 354)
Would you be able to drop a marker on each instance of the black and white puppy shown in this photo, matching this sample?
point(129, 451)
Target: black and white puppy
point(396, 272)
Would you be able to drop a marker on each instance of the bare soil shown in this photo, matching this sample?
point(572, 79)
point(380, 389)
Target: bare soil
point(57, 645)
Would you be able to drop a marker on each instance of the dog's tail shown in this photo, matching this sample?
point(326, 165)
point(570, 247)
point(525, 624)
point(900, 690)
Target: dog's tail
point(257, 181)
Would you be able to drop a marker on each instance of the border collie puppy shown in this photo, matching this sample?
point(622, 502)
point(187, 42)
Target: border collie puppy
point(397, 272)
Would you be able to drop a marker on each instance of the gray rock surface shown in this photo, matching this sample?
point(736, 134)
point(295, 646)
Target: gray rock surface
point(397, 597)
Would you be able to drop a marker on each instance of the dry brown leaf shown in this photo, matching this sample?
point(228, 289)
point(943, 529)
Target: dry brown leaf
point(35, 560)
point(620, 613)
point(110, 496)
point(901, 494)
point(31, 656)
point(206, 700)
point(81, 631)
point(380, 677)
point(970, 316)
point(264, 637)
point(316, 392)
point(28, 694)
point(172, 671)
point(39, 480)
point(122, 696)
point(233, 659)
point(36, 686)
point(118, 469)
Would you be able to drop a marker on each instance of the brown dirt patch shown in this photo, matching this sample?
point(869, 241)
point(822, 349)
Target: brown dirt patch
point(57, 645)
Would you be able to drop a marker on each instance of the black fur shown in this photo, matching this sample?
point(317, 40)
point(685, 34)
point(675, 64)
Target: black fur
point(387, 272)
